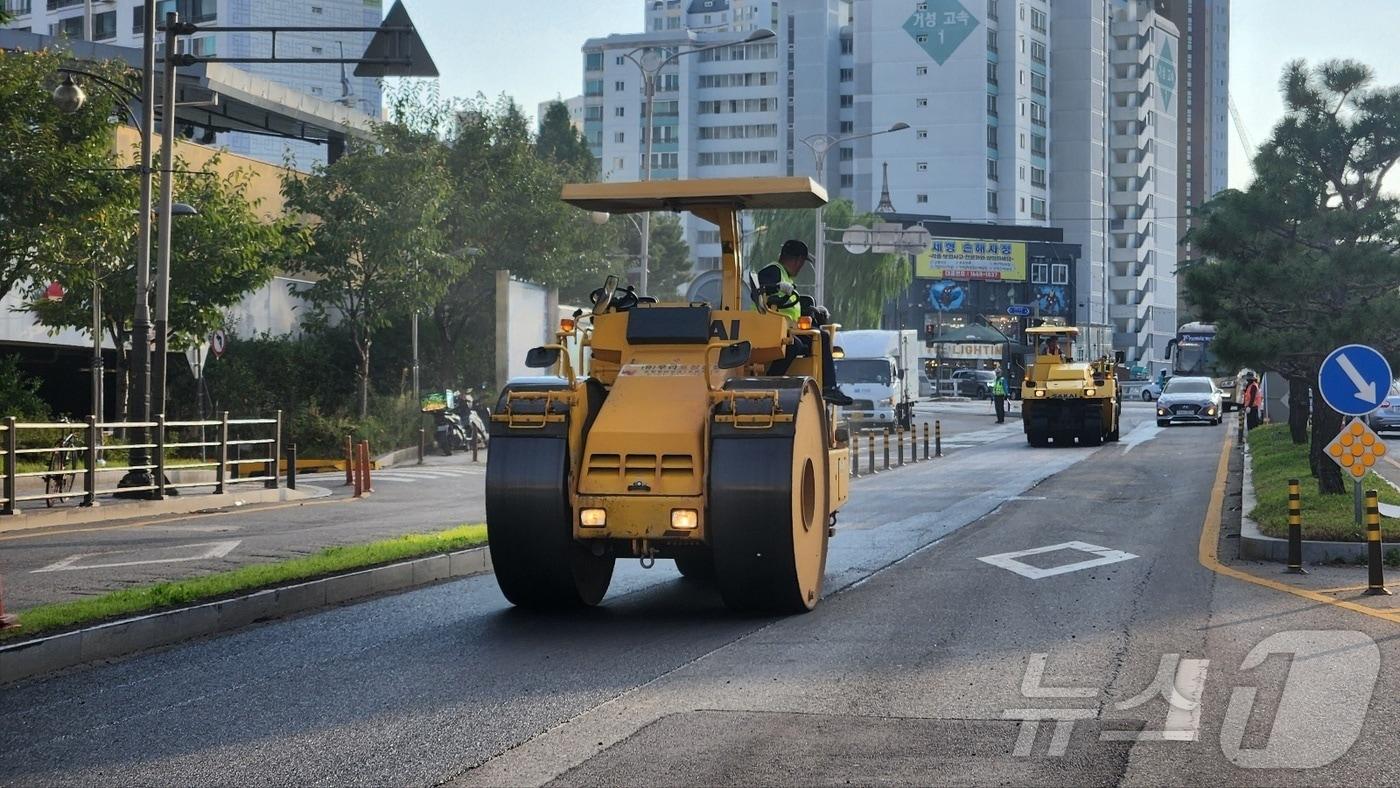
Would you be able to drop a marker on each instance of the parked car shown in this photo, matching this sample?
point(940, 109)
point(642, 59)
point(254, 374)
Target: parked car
point(1151, 390)
point(1190, 400)
point(1386, 418)
point(975, 383)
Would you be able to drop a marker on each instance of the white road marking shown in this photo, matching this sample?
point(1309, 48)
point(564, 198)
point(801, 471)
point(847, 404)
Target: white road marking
point(1141, 434)
point(1027, 498)
point(213, 550)
point(1008, 561)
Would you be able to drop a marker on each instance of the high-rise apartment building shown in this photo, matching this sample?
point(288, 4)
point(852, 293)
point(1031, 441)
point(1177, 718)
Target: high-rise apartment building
point(1203, 123)
point(1020, 112)
point(119, 22)
point(573, 105)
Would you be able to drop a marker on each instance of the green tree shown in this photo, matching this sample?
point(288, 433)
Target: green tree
point(376, 243)
point(1305, 259)
point(58, 172)
point(561, 143)
point(216, 258)
point(668, 266)
point(858, 286)
point(505, 210)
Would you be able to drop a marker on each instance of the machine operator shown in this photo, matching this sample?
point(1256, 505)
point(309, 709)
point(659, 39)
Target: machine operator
point(788, 303)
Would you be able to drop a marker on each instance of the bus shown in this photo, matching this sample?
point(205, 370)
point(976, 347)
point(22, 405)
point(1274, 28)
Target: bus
point(1190, 355)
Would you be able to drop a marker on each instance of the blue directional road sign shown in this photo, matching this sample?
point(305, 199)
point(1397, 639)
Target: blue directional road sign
point(1019, 310)
point(1354, 379)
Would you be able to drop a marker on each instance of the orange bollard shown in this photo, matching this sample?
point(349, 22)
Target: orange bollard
point(357, 478)
point(349, 462)
point(364, 467)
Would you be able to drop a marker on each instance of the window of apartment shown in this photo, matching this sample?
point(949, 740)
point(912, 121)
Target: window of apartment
point(848, 101)
point(848, 46)
point(848, 126)
point(665, 161)
point(1021, 77)
point(619, 163)
point(1023, 140)
point(669, 83)
point(1038, 52)
point(991, 41)
point(1059, 274)
point(619, 86)
point(593, 87)
point(317, 51)
point(921, 134)
point(1021, 173)
point(1040, 274)
point(921, 199)
point(707, 237)
point(620, 112)
point(921, 102)
point(992, 201)
point(848, 154)
point(1038, 83)
point(921, 167)
point(593, 113)
point(316, 9)
point(920, 71)
point(72, 27)
point(991, 137)
point(1037, 145)
point(620, 60)
point(104, 26)
point(709, 263)
point(673, 23)
point(992, 169)
point(1038, 21)
point(1038, 177)
point(620, 136)
point(199, 10)
point(847, 180)
point(138, 19)
point(848, 75)
point(1037, 208)
point(992, 10)
point(992, 73)
point(1023, 205)
point(1037, 114)
point(991, 105)
point(204, 46)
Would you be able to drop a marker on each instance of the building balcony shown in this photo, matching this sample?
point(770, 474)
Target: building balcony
point(1126, 57)
point(1125, 254)
point(1138, 311)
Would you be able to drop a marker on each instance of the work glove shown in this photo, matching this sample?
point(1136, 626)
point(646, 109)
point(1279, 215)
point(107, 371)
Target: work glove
point(785, 288)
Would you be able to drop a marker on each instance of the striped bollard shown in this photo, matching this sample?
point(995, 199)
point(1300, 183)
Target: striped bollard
point(1375, 583)
point(870, 444)
point(899, 445)
point(938, 438)
point(1295, 529)
point(926, 443)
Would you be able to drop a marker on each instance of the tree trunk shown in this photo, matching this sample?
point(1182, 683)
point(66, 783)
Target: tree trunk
point(1298, 410)
point(364, 379)
point(1326, 423)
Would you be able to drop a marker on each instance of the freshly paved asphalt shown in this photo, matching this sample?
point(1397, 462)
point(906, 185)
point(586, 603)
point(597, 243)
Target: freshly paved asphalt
point(909, 671)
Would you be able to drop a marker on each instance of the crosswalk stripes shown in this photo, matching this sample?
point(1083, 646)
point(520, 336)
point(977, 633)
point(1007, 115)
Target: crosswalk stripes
point(410, 474)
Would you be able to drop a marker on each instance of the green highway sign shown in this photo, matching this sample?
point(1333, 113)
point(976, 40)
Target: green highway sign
point(941, 29)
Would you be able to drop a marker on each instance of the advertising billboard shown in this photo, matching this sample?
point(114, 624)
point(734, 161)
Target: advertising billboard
point(969, 258)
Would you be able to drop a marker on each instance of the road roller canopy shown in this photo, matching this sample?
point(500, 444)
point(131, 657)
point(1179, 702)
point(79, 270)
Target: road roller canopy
point(739, 194)
point(1060, 331)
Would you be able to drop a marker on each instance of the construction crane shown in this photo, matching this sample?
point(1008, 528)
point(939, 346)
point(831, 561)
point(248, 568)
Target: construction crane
point(1241, 132)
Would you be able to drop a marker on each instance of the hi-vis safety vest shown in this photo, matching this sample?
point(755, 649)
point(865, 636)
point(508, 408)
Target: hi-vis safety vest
point(999, 387)
point(795, 310)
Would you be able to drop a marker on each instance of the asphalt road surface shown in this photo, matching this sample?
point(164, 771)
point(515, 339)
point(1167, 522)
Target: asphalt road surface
point(944, 652)
point(59, 564)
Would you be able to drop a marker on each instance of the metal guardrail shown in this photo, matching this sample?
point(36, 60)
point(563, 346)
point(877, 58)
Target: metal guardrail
point(85, 439)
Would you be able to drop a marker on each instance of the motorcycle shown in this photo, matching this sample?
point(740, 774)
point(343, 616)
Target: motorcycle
point(477, 436)
point(448, 431)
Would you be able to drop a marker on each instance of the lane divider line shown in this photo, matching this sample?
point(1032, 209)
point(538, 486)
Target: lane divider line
point(1208, 550)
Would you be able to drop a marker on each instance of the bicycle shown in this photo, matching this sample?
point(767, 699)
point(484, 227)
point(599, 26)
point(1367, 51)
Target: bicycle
point(57, 483)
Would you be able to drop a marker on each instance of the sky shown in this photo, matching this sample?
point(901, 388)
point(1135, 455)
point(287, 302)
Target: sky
point(530, 49)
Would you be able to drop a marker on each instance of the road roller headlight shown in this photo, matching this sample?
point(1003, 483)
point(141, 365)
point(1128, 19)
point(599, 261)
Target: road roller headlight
point(1090, 392)
point(684, 519)
point(593, 518)
point(1040, 392)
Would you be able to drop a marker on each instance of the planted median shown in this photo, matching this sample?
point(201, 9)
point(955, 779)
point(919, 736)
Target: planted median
point(47, 619)
point(1276, 459)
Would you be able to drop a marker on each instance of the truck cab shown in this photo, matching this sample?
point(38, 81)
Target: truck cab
point(878, 370)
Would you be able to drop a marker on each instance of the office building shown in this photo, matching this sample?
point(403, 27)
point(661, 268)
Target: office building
point(1019, 113)
point(119, 22)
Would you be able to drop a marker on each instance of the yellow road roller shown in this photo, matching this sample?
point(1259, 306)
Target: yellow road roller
point(666, 437)
point(1064, 400)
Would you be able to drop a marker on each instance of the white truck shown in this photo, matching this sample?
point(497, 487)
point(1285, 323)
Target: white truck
point(880, 371)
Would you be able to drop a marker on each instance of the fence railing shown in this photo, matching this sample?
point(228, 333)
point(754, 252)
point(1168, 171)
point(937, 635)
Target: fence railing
point(81, 449)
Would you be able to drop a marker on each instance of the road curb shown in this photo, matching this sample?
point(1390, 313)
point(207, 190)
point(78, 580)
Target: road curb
point(191, 503)
point(1255, 546)
point(42, 655)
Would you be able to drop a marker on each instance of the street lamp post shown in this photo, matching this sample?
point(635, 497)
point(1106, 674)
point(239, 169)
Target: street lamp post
point(820, 145)
point(650, 62)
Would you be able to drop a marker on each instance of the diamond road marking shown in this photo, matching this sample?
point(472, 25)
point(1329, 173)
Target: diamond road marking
point(212, 550)
point(1103, 557)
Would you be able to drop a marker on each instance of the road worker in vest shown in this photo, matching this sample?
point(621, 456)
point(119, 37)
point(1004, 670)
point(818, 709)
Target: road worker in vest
point(782, 276)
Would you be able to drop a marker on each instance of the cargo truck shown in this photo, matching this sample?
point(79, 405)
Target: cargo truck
point(880, 371)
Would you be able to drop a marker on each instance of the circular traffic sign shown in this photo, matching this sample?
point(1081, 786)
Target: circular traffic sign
point(218, 342)
point(1354, 379)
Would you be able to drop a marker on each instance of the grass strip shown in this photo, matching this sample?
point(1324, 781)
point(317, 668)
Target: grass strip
point(207, 588)
point(1276, 459)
